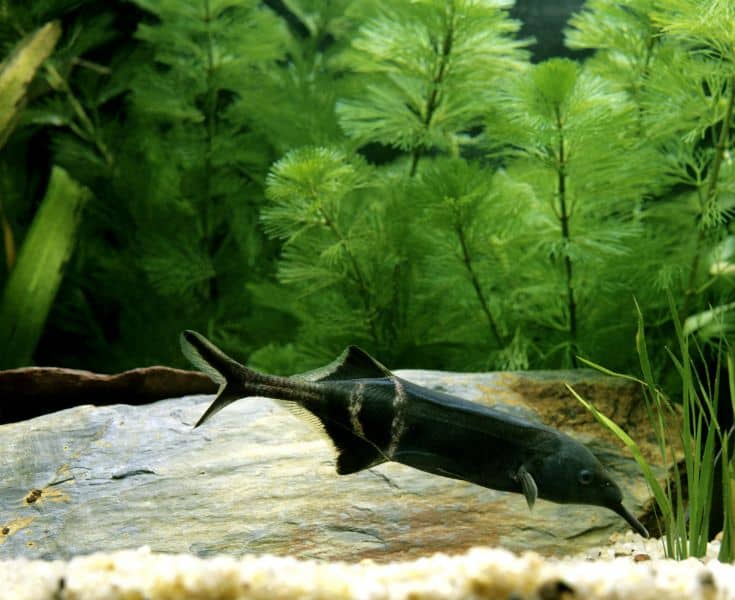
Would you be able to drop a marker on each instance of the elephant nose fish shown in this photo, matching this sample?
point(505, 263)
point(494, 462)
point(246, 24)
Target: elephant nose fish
point(372, 416)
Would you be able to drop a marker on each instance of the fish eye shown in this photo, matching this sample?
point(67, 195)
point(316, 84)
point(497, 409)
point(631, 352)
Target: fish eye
point(585, 477)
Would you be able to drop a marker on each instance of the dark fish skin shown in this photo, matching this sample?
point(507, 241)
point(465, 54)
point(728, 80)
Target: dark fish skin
point(373, 416)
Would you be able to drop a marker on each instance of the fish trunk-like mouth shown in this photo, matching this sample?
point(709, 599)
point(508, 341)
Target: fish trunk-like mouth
point(632, 521)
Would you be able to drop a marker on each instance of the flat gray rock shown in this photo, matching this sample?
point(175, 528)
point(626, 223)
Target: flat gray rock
point(255, 479)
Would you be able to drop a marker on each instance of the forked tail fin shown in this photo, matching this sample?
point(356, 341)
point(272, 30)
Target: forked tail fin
point(223, 370)
point(302, 395)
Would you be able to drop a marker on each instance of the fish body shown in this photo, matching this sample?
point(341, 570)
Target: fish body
point(372, 416)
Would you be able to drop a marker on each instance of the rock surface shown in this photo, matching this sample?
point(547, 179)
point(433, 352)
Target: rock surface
point(257, 480)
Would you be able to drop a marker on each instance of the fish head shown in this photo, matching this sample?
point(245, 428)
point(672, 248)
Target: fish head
point(573, 475)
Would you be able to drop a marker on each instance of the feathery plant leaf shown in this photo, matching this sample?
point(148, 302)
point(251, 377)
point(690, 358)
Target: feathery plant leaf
point(574, 137)
point(470, 225)
point(627, 42)
point(175, 268)
point(707, 27)
point(428, 68)
point(307, 187)
point(321, 206)
point(191, 187)
point(675, 59)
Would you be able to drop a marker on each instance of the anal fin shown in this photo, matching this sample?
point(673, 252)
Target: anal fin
point(353, 453)
point(356, 456)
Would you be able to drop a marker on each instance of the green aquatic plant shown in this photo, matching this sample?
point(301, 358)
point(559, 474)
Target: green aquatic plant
point(319, 209)
point(675, 60)
point(34, 281)
point(180, 227)
point(683, 502)
point(296, 179)
point(426, 70)
point(16, 73)
point(354, 250)
point(220, 89)
point(571, 138)
point(55, 148)
point(709, 40)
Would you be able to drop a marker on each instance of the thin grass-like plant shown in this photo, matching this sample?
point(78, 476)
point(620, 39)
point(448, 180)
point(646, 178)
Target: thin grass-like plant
point(700, 441)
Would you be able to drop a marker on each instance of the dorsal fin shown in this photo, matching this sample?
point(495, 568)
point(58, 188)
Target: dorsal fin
point(353, 363)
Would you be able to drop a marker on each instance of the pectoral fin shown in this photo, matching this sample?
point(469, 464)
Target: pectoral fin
point(530, 489)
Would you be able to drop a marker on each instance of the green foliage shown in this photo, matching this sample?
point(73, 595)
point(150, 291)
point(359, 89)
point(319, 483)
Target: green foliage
point(16, 73)
point(332, 212)
point(426, 72)
point(675, 61)
point(685, 520)
point(390, 174)
point(470, 224)
point(573, 141)
point(324, 209)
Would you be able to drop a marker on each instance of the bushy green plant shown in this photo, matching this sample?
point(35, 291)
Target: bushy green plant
point(390, 174)
point(356, 250)
point(188, 220)
point(41, 87)
point(572, 139)
point(675, 60)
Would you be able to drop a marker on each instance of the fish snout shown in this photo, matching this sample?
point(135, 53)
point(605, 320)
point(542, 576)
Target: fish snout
point(632, 521)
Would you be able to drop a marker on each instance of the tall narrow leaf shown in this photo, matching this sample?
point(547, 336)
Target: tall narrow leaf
point(19, 69)
point(33, 283)
point(658, 491)
point(16, 72)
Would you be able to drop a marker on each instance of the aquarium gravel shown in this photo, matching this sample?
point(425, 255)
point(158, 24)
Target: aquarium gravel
point(630, 567)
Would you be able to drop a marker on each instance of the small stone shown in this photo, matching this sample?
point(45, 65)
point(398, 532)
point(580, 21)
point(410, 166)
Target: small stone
point(33, 495)
point(555, 590)
point(641, 557)
point(707, 580)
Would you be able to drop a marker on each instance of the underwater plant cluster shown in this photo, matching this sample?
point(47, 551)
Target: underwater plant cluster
point(294, 177)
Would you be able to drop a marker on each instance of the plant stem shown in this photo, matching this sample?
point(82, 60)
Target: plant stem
point(564, 216)
point(467, 260)
point(87, 131)
point(8, 240)
point(432, 104)
point(432, 101)
point(357, 273)
point(210, 108)
point(709, 199)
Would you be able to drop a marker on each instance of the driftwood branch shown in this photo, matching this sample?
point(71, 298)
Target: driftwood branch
point(33, 391)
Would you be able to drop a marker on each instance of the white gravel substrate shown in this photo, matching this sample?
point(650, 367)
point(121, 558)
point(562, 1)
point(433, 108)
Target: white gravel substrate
point(630, 568)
